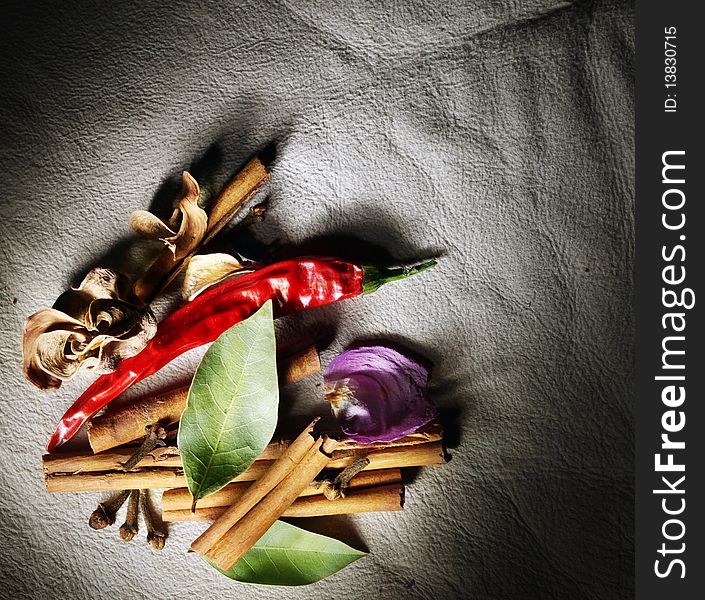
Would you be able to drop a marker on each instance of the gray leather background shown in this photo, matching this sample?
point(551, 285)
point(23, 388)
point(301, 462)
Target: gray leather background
point(498, 133)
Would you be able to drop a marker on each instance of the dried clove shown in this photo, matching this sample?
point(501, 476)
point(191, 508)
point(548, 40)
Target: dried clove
point(156, 534)
point(335, 488)
point(106, 512)
point(129, 529)
point(254, 215)
point(155, 433)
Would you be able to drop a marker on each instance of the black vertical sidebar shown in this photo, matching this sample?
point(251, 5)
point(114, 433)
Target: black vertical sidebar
point(670, 511)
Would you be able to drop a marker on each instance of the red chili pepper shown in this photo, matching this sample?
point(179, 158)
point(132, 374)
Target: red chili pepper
point(292, 285)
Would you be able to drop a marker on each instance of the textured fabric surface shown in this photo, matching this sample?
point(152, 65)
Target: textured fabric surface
point(493, 132)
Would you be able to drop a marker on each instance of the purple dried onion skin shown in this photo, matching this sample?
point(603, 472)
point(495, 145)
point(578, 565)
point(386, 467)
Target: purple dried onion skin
point(378, 394)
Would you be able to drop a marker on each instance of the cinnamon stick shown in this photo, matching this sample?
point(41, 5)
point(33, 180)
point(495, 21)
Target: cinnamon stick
point(180, 498)
point(112, 460)
point(58, 478)
point(299, 365)
point(145, 479)
point(235, 195)
point(124, 424)
point(299, 449)
point(417, 455)
point(375, 499)
point(168, 456)
point(232, 546)
point(231, 199)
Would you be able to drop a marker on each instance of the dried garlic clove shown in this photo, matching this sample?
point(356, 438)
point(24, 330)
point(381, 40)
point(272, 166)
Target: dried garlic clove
point(206, 270)
point(185, 229)
point(378, 394)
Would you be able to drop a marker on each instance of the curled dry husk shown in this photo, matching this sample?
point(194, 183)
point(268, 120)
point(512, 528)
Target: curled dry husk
point(185, 229)
point(378, 394)
point(206, 270)
point(93, 326)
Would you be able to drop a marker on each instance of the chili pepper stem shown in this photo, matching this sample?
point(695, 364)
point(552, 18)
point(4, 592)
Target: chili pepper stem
point(375, 277)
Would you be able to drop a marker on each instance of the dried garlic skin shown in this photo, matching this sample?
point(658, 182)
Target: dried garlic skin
point(207, 270)
point(102, 322)
point(93, 326)
point(378, 393)
point(183, 232)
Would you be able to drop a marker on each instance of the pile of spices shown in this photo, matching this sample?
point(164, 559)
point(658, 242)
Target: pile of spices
point(209, 445)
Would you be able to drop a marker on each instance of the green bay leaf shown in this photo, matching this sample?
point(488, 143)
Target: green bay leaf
point(289, 555)
point(231, 411)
